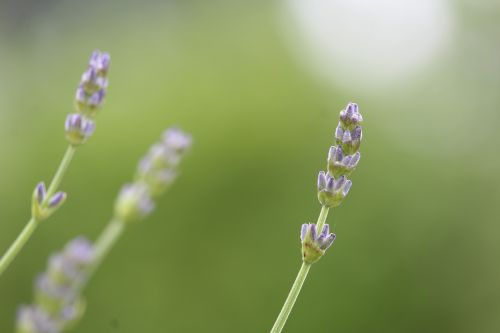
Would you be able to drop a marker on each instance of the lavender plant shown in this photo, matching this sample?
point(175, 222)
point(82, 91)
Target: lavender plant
point(333, 187)
point(79, 127)
point(58, 303)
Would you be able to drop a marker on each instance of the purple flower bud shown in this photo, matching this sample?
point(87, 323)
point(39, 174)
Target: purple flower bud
point(40, 192)
point(346, 188)
point(78, 128)
point(334, 192)
point(339, 183)
point(326, 230)
point(303, 231)
point(340, 164)
point(354, 160)
point(314, 245)
point(88, 77)
point(339, 133)
point(134, 202)
point(31, 319)
point(99, 61)
point(57, 199)
point(327, 242)
point(312, 230)
point(330, 184)
point(93, 84)
point(347, 137)
point(95, 100)
point(79, 251)
point(350, 116)
point(357, 133)
point(58, 293)
point(321, 180)
point(176, 139)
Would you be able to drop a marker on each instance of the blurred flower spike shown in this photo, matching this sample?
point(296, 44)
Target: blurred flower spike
point(58, 305)
point(155, 173)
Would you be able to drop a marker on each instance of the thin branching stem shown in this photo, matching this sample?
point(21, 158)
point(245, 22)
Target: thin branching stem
point(299, 282)
point(32, 224)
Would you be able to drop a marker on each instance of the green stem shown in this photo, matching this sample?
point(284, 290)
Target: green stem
point(61, 170)
point(18, 244)
point(292, 297)
point(299, 282)
point(30, 227)
point(102, 246)
point(322, 219)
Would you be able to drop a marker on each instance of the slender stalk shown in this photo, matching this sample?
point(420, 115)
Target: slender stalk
point(61, 170)
point(32, 224)
point(322, 218)
point(18, 244)
point(299, 282)
point(292, 297)
point(104, 243)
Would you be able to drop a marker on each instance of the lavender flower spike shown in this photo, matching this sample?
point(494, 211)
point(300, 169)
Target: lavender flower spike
point(89, 98)
point(314, 245)
point(342, 158)
point(93, 84)
point(57, 303)
point(158, 168)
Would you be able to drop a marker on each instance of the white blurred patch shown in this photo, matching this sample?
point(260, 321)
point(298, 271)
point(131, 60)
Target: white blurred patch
point(369, 43)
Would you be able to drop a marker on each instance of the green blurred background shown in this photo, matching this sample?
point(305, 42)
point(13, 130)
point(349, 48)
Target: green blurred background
point(418, 238)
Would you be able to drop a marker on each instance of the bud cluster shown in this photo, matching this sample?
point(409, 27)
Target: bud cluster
point(314, 244)
point(43, 206)
point(156, 171)
point(89, 97)
point(57, 303)
point(343, 158)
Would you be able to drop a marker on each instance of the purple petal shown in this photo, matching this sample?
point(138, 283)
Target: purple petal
point(326, 230)
point(321, 180)
point(330, 184)
point(347, 137)
point(303, 231)
point(40, 192)
point(346, 188)
point(356, 133)
point(355, 159)
point(339, 133)
point(312, 226)
point(339, 183)
point(57, 199)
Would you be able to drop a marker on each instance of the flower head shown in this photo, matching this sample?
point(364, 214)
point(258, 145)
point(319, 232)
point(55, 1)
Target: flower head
point(340, 164)
point(89, 97)
point(343, 158)
point(350, 116)
point(93, 84)
point(314, 243)
point(331, 191)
